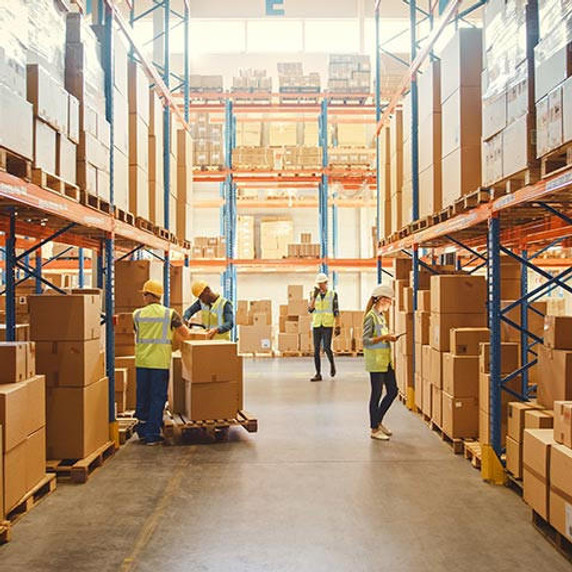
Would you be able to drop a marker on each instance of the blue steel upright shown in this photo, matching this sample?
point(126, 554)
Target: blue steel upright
point(524, 338)
point(11, 278)
point(494, 318)
point(166, 145)
point(323, 187)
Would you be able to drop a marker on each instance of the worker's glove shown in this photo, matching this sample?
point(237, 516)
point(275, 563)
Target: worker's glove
point(316, 292)
point(337, 331)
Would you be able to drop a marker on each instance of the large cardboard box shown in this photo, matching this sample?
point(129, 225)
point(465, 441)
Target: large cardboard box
point(288, 342)
point(177, 391)
point(13, 357)
point(510, 357)
point(180, 292)
point(485, 428)
point(77, 420)
point(295, 292)
point(73, 317)
point(484, 394)
point(213, 400)
point(426, 356)
point(514, 457)
point(538, 419)
point(555, 376)
point(72, 364)
point(297, 307)
point(130, 275)
point(536, 469)
point(460, 375)
point(422, 328)
point(14, 414)
point(35, 458)
point(460, 416)
point(466, 341)
point(128, 363)
point(558, 332)
point(254, 339)
point(121, 381)
point(436, 376)
point(211, 361)
point(560, 489)
point(441, 325)
point(15, 464)
point(458, 294)
point(516, 413)
point(427, 398)
point(35, 403)
point(437, 406)
point(563, 422)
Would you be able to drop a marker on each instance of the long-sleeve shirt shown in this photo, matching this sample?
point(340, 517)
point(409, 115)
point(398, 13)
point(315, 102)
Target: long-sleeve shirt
point(334, 304)
point(227, 315)
point(369, 329)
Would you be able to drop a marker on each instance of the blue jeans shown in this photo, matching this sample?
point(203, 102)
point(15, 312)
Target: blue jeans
point(152, 387)
point(378, 407)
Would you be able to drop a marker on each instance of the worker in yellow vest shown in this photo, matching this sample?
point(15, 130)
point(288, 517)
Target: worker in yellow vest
point(379, 360)
point(155, 325)
point(325, 321)
point(216, 311)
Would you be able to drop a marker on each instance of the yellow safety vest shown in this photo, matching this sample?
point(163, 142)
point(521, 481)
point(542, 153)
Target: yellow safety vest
point(378, 357)
point(213, 317)
point(153, 336)
point(323, 314)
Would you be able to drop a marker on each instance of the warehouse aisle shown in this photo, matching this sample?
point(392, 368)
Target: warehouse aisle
point(311, 491)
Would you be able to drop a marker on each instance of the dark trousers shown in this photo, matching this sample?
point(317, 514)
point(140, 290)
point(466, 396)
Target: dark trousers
point(151, 398)
point(322, 337)
point(378, 407)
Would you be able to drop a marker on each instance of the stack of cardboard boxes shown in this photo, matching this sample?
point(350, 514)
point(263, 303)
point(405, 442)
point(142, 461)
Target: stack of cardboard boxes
point(253, 158)
point(350, 339)
point(351, 157)
point(156, 194)
point(205, 83)
point(23, 422)
point(245, 237)
point(252, 81)
point(384, 175)
point(209, 247)
point(349, 73)
point(254, 320)
point(461, 69)
point(275, 236)
point(305, 249)
point(184, 183)
point(301, 158)
point(67, 332)
point(291, 79)
point(208, 142)
point(294, 332)
point(407, 181)
point(396, 168)
point(249, 134)
point(553, 76)
point(212, 374)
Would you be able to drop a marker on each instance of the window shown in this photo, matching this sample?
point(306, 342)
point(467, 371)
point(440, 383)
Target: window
point(285, 36)
point(331, 36)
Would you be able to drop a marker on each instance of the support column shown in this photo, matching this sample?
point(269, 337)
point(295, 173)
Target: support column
point(378, 201)
point(524, 338)
point(11, 278)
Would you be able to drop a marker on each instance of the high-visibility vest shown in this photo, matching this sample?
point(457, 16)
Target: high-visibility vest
point(153, 336)
point(323, 314)
point(213, 317)
point(378, 357)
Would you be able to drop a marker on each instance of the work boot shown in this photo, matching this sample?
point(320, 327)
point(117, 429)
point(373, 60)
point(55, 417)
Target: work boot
point(332, 370)
point(381, 427)
point(317, 377)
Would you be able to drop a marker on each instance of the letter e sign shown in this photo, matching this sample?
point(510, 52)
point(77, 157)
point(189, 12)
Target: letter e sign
point(275, 7)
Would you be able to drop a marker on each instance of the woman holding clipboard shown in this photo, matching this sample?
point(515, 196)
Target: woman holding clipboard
point(378, 359)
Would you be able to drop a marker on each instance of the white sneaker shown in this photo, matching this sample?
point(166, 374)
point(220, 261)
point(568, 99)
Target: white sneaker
point(385, 430)
point(380, 435)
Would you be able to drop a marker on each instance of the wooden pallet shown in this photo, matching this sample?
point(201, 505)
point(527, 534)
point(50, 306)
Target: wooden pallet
point(13, 164)
point(207, 168)
point(471, 201)
point(253, 355)
point(296, 354)
point(515, 182)
point(334, 100)
point(514, 484)
point(126, 428)
point(161, 232)
point(177, 426)
point(79, 470)
point(54, 183)
point(472, 452)
point(97, 203)
point(143, 224)
point(32, 498)
point(558, 540)
point(455, 444)
point(556, 161)
point(124, 216)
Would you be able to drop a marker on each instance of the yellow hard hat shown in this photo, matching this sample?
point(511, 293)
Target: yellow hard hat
point(198, 288)
point(153, 287)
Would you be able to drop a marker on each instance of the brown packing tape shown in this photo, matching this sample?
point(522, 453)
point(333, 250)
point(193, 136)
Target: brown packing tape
point(567, 497)
point(534, 473)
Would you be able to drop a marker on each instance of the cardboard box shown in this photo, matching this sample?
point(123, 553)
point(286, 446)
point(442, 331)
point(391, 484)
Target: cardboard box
point(460, 375)
point(295, 292)
point(291, 327)
point(510, 357)
point(213, 400)
point(466, 341)
point(537, 419)
point(180, 292)
point(35, 458)
point(460, 416)
point(536, 469)
point(424, 300)
point(22, 332)
point(484, 394)
point(71, 364)
point(441, 325)
point(130, 275)
point(177, 390)
point(422, 328)
point(15, 464)
point(121, 379)
point(560, 489)
point(128, 363)
point(13, 356)
point(73, 317)
point(14, 414)
point(516, 412)
point(35, 417)
point(555, 376)
point(558, 332)
point(254, 339)
point(458, 294)
point(77, 420)
point(563, 422)
point(211, 361)
point(484, 428)
point(418, 385)
point(288, 342)
point(514, 457)
point(426, 356)
point(297, 307)
point(437, 406)
point(261, 319)
point(427, 398)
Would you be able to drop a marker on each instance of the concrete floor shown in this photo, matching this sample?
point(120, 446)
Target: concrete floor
point(310, 491)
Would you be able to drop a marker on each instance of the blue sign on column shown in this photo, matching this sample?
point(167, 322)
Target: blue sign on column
point(273, 9)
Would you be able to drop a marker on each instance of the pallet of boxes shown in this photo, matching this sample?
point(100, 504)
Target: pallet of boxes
point(69, 353)
point(350, 340)
point(254, 321)
point(546, 443)
point(295, 324)
point(23, 477)
point(207, 392)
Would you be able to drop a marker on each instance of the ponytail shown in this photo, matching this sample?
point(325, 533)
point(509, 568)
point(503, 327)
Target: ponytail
point(369, 306)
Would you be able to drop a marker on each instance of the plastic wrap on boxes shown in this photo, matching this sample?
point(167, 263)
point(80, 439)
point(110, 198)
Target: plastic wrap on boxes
point(13, 41)
point(553, 14)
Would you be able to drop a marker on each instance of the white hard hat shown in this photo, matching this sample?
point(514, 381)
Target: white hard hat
point(321, 278)
point(382, 291)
